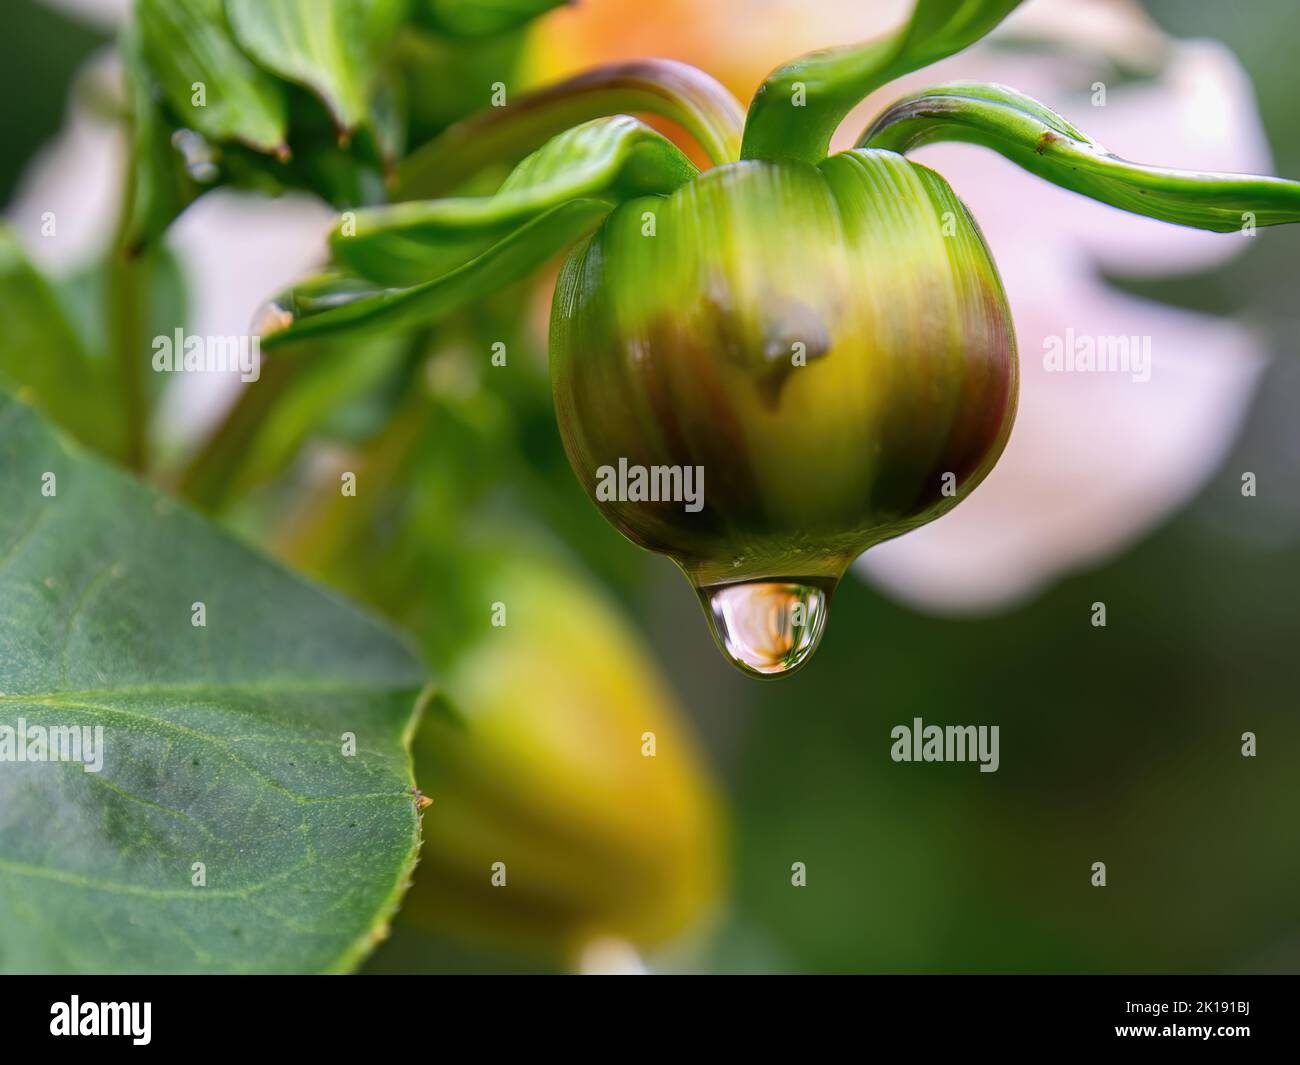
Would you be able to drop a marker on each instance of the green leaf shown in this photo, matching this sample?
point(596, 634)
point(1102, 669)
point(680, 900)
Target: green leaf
point(331, 47)
point(1042, 142)
point(187, 43)
point(479, 18)
point(607, 160)
point(334, 303)
point(800, 104)
point(84, 292)
point(160, 188)
point(222, 744)
point(42, 353)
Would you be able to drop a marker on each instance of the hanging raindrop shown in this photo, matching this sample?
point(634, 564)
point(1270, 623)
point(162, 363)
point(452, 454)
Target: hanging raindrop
point(767, 628)
point(829, 364)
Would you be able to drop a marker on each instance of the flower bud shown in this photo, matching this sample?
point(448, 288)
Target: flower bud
point(826, 352)
point(570, 804)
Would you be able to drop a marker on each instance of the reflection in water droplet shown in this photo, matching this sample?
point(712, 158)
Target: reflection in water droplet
point(271, 317)
point(200, 158)
point(767, 628)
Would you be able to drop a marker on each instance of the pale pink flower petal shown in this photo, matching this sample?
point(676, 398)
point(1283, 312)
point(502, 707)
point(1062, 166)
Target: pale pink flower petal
point(1096, 460)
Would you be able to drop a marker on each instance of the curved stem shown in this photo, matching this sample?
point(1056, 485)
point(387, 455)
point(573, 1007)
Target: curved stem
point(701, 105)
point(316, 533)
point(800, 104)
point(208, 477)
point(1040, 141)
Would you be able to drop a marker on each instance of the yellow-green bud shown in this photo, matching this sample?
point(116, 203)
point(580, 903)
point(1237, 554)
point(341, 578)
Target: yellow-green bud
point(827, 351)
point(570, 806)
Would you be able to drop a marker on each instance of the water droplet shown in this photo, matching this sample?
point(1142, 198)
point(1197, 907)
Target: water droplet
point(272, 317)
point(200, 157)
point(767, 628)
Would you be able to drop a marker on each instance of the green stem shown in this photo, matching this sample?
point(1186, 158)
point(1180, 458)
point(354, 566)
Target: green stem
point(126, 291)
point(209, 478)
point(800, 104)
point(703, 107)
point(321, 532)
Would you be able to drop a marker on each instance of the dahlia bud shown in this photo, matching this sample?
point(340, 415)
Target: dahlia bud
point(792, 363)
point(762, 370)
point(571, 806)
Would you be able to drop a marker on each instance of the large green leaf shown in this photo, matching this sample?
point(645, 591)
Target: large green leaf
point(222, 744)
point(187, 43)
point(41, 352)
point(800, 104)
point(606, 160)
point(329, 46)
point(1045, 144)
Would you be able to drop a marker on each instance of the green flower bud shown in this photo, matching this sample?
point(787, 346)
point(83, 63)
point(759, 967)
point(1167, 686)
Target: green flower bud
point(570, 805)
point(825, 342)
point(826, 351)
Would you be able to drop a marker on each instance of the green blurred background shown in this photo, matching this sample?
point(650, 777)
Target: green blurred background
point(1119, 744)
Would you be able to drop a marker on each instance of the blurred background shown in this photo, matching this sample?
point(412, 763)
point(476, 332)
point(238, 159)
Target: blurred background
point(1119, 744)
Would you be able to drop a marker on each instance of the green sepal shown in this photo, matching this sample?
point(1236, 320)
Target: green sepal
point(1045, 144)
point(607, 160)
point(800, 104)
point(335, 303)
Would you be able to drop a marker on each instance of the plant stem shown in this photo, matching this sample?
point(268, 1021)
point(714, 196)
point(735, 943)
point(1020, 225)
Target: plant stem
point(209, 477)
point(702, 106)
point(126, 293)
point(313, 537)
point(798, 107)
